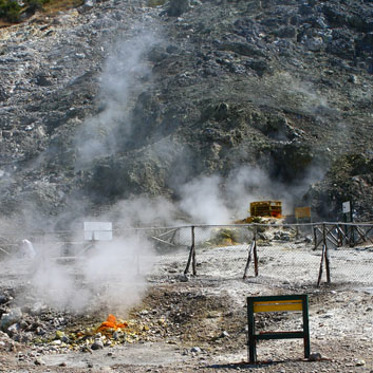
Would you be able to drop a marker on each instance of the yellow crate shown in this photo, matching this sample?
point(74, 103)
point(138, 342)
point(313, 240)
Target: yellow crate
point(266, 209)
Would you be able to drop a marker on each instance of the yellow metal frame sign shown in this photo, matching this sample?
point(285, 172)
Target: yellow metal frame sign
point(280, 303)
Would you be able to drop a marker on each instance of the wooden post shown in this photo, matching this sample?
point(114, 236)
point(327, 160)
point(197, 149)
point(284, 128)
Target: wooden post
point(191, 255)
point(352, 236)
point(256, 266)
point(321, 267)
point(252, 251)
point(324, 257)
point(194, 263)
point(324, 234)
point(248, 261)
point(327, 267)
point(315, 237)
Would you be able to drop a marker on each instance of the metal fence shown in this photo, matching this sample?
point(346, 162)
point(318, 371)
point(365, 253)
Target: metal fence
point(295, 254)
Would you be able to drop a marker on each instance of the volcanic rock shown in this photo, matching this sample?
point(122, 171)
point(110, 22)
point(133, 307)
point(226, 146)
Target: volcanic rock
point(12, 317)
point(98, 344)
point(117, 99)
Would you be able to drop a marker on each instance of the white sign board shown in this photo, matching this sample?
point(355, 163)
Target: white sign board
point(346, 207)
point(98, 231)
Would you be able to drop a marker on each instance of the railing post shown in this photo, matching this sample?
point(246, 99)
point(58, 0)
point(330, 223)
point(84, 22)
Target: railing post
point(252, 250)
point(256, 266)
point(248, 261)
point(315, 237)
point(324, 257)
point(326, 253)
point(352, 236)
point(194, 263)
point(191, 255)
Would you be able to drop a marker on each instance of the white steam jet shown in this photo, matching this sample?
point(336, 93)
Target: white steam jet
point(28, 250)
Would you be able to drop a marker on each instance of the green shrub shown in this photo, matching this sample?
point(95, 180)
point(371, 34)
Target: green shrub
point(10, 10)
point(33, 5)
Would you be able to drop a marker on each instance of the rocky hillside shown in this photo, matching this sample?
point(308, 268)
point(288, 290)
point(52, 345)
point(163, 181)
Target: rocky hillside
point(118, 99)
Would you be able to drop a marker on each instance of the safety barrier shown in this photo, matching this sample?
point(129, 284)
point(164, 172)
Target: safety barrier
point(304, 254)
point(279, 303)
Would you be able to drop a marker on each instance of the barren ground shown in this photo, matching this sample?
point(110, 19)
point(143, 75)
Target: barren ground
point(199, 322)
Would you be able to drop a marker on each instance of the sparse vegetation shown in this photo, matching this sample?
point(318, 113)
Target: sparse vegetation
point(54, 6)
point(12, 12)
point(33, 5)
point(9, 10)
point(224, 237)
point(154, 3)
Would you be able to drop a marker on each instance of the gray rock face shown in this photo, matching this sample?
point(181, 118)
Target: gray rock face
point(176, 8)
point(116, 99)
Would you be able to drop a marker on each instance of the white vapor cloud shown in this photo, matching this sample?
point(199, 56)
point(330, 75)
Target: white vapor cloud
point(217, 200)
point(145, 211)
point(203, 200)
point(123, 78)
point(111, 274)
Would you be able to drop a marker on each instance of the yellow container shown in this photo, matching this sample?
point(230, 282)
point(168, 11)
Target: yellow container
point(266, 209)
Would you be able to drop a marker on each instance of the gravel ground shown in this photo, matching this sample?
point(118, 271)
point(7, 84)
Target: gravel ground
point(188, 323)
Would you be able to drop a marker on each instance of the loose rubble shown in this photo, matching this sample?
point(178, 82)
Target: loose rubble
point(198, 324)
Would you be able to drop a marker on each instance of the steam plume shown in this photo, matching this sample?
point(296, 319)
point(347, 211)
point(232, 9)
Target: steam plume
point(124, 76)
point(109, 273)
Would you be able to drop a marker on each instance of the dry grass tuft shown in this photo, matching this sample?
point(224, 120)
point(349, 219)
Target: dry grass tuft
point(55, 6)
point(50, 8)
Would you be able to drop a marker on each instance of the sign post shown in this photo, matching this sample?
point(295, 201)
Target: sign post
point(303, 213)
point(348, 218)
point(98, 231)
point(277, 303)
point(347, 212)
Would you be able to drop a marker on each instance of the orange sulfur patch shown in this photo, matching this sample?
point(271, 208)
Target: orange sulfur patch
point(111, 324)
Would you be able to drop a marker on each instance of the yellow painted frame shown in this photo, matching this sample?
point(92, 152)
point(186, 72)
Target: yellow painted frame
point(279, 303)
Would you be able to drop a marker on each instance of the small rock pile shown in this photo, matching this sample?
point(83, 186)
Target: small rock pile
point(51, 331)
